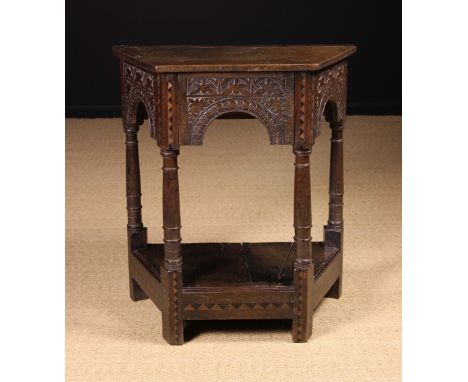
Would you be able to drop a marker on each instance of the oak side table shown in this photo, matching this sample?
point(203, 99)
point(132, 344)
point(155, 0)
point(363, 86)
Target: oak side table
point(182, 89)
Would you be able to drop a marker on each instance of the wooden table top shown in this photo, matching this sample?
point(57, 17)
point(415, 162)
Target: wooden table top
point(197, 58)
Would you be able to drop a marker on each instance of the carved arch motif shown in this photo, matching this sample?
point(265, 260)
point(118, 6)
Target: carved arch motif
point(329, 86)
point(260, 110)
point(265, 98)
point(139, 87)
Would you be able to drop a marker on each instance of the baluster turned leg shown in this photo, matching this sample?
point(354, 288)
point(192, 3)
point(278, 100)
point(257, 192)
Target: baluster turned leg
point(303, 266)
point(334, 227)
point(136, 232)
point(171, 274)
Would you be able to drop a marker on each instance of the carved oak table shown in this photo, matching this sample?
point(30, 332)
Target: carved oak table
point(183, 88)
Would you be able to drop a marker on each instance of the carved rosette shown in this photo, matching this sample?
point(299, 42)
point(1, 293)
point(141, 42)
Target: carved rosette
point(264, 97)
point(140, 86)
point(329, 85)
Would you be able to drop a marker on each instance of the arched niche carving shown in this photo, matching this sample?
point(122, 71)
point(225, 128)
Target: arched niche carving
point(260, 111)
point(139, 89)
point(329, 95)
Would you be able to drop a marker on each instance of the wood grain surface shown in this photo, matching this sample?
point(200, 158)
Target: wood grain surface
point(190, 58)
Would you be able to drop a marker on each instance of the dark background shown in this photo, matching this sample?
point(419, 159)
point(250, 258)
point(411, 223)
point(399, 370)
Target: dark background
point(93, 26)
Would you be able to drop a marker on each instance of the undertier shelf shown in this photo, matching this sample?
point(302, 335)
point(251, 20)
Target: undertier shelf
point(240, 265)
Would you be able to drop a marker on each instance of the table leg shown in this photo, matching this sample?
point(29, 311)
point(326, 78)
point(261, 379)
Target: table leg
point(334, 227)
point(171, 273)
point(303, 265)
point(136, 232)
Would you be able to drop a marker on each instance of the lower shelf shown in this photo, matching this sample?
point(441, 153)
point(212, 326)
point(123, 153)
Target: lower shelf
point(239, 265)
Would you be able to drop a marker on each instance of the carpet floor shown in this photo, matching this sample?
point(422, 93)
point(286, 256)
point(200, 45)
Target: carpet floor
point(234, 188)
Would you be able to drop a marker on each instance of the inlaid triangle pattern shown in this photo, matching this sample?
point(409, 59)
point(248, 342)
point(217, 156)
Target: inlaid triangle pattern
point(246, 306)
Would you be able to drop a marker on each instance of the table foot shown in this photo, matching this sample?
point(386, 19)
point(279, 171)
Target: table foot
point(136, 293)
point(302, 320)
point(172, 320)
point(335, 290)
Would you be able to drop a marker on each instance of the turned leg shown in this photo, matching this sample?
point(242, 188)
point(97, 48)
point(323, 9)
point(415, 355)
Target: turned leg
point(171, 273)
point(334, 227)
point(136, 232)
point(303, 266)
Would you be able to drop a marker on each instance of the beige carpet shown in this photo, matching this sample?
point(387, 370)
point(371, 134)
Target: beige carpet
point(233, 188)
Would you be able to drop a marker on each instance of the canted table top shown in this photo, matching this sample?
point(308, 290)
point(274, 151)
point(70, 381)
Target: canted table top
point(197, 58)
